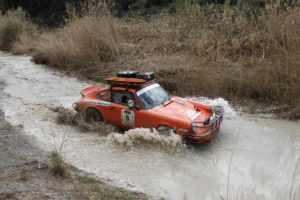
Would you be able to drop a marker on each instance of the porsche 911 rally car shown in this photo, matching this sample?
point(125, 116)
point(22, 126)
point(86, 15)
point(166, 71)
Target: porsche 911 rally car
point(134, 99)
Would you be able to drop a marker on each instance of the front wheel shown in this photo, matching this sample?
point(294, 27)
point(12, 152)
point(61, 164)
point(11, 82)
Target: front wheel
point(165, 130)
point(93, 115)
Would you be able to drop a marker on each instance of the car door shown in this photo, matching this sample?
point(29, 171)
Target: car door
point(104, 107)
point(120, 114)
point(144, 119)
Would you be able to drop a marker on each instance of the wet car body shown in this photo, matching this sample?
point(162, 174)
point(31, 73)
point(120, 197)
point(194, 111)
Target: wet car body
point(129, 102)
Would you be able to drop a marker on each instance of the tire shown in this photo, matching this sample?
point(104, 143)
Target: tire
point(164, 130)
point(93, 115)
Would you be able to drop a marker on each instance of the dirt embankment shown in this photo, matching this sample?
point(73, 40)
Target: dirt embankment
point(25, 173)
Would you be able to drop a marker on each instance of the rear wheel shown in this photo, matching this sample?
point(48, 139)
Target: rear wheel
point(93, 115)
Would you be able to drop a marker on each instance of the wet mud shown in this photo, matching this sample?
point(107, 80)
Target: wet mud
point(72, 118)
point(26, 171)
point(23, 168)
point(252, 157)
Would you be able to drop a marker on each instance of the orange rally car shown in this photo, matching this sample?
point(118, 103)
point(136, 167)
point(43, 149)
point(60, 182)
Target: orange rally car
point(134, 99)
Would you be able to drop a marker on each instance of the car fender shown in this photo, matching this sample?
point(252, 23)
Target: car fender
point(173, 122)
point(90, 90)
point(94, 107)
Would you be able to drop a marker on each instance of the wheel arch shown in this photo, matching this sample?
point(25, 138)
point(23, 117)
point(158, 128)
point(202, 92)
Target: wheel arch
point(167, 126)
point(94, 108)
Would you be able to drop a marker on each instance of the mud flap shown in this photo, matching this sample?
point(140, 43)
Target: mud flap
point(127, 117)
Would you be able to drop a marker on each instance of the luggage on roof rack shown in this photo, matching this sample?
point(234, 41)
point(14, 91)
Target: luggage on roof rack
point(128, 74)
point(148, 76)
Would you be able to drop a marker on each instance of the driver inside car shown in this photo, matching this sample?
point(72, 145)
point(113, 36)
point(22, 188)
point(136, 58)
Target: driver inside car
point(125, 99)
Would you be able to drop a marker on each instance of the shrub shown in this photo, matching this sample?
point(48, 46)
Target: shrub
point(83, 42)
point(58, 167)
point(86, 180)
point(10, 33)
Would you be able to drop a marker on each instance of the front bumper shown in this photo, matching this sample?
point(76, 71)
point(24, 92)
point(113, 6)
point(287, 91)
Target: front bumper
point(207, 130)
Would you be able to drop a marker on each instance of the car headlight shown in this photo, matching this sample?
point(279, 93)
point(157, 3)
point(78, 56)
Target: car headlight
point(212, 117)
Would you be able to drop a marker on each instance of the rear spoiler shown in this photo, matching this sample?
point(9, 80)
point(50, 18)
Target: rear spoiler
point(91, 89)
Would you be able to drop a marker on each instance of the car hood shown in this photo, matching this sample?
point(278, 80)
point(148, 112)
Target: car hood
point(181, 110)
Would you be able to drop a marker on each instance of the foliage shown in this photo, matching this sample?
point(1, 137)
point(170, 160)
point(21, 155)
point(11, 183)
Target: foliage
point(53, 13)
point(58, 167)
point(15, 25)
point(86, 180)
point(43, 12)
point(10, 33)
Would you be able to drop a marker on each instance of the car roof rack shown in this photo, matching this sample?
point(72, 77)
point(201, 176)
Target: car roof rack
point(120, 81)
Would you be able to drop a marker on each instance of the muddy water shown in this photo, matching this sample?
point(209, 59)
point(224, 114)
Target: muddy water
point(251, 158)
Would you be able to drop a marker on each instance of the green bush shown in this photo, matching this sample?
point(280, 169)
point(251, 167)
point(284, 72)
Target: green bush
point(9, 34)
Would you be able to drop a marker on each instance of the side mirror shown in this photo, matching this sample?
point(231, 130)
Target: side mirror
point(130, 104)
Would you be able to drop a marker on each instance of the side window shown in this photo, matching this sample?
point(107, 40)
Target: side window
point(105, 96)
point(122, 97)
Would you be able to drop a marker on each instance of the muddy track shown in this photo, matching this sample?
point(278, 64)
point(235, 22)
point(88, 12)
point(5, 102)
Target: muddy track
point(21, 173)
point(253, 157)
point(25, 173)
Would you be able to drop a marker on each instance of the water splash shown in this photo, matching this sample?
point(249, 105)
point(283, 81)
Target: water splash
point(229, 111)
point(145, 138)
point(134, 138)
point(70, 117)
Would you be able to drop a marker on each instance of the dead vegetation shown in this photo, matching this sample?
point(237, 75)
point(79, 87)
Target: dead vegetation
point(14, 26)
point(58, 167)
point(192, 53)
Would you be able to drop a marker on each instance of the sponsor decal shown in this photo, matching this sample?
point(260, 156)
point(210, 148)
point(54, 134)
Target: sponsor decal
point(192, 114)
point(195, 116)
point(99, 103)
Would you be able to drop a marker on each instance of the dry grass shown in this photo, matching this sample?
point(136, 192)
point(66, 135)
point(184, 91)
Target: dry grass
point(26, 44)
point(190, 52)
point(83, 42)
point(58, 167)
point(14, 27)
point(258, 61)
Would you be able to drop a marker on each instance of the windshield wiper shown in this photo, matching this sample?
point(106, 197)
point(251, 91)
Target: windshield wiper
point(170, 101)
point(164, 100)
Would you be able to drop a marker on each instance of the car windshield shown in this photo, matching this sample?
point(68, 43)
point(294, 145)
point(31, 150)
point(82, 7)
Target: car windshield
point(152, 96)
